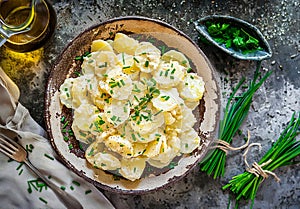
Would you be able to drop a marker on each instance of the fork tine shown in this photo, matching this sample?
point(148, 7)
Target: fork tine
point(5, 152)
point(10, 144)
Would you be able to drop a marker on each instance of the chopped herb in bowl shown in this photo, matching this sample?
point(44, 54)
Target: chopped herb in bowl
point(233, 37)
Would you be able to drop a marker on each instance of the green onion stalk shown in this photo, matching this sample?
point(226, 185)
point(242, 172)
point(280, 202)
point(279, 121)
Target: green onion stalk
point(283, 152)
point(235, 113)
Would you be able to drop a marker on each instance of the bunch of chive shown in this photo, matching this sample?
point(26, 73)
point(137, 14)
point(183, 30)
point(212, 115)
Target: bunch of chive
point(235, 113)
point(282, 153)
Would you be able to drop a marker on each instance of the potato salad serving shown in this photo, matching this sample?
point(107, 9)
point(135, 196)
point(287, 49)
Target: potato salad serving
point(132, 104)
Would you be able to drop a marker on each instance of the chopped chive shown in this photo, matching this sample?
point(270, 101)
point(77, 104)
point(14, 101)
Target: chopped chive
point(78, 58)
point(77, 73)
point(71, 187)
point(161, 72)
point(76, 183)
point(172, 77)
point(123, 58)
point(88, 191)
point(70, 146)
point(66, 138)
point(48, 156)
point(122, 82)
point(113, 118)
point(133, 137)
point(116, 178)
point(163, 49)
point(166, 73)
point(173, 71)
point(21, 171)
point(91, 152)
point(20, 165)
point(135, 59)
point(172, 165)
point(184, 62)
point(136, 98)
point(65, 124)
point(189, 70)
point(146, 63)
point(103, 65)
point(158, 112)
point(63, 118)
point(63, 188)
point(126, 67)
point(43, 200)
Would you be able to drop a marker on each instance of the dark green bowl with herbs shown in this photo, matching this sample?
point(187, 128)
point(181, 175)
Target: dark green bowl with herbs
point(234, 36)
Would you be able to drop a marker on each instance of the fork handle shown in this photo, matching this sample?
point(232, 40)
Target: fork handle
point(68, 200)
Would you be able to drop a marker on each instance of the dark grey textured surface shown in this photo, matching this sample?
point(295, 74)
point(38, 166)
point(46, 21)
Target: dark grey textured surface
point(272, 107)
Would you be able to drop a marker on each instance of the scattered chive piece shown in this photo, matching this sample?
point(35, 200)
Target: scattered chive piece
point(135, 59)
point(125, 67)
point(10, 160)
point(63, 118)
point(71, 187)
point(70, 146)
point(133, 137)
point(146, 63)
point(122, 82)
point(116, 178)
point(66, 138)
point(77, 73)
point(158, 112)
point(20, 165)
point(63, 188)
point(21, 171)
point(163, 49)
point(48, 156)
point(76, 183)
point(88, 191)
point(123, 58)
point(43, 200)
point(172, 165)
point(189, 70)
point(65, 124)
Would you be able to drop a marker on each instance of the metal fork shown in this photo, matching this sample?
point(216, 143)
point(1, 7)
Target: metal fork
point(15, 151)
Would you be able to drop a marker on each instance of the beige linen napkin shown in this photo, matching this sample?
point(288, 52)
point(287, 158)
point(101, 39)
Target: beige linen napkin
point(19, 187)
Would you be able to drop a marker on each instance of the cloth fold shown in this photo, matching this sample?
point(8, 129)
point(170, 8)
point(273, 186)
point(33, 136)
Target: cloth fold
point(19, 187)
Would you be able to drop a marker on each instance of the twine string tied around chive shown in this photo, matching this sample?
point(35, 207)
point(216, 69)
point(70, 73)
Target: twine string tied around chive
point(225, 146)
point(257, 169)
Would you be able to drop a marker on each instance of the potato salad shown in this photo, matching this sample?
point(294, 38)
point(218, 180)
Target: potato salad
point(133, 105)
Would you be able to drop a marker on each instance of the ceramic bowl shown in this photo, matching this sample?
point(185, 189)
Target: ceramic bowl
point(266, 53)
point(207, 112)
